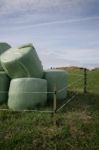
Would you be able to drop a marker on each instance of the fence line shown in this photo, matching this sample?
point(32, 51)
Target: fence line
point(38, 92)
point(74, 74)
point(9, 110)
point(28, 92)
point(66, 87)
point(54, 92)
point(70, 99)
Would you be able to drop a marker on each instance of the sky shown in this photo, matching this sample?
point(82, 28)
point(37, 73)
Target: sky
point(63, 32)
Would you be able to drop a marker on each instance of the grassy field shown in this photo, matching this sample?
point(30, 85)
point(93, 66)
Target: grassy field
point(77, 125)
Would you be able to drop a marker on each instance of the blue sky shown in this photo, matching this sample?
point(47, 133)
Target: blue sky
point(64, 32)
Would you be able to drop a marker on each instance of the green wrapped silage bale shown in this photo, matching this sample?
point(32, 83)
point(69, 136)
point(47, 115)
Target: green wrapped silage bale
point(4, 87)
point(27, 93)
point(26, 45)
point(22, 62)
point(3, 48)
point(56, 79)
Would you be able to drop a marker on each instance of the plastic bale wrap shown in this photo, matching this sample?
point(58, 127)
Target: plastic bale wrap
point(3, 48)
point(27, 93)
point(4, 86)
point(26, 45)
point(22, 62)
point(56, 79)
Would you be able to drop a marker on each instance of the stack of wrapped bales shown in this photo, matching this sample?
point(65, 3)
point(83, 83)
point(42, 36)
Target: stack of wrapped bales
point(22, 62)
point(3, 47)
point(4, 79)
point(29, 83)
point(27, 93)
point(4, 87)
point(24, 67)
point(56, 79)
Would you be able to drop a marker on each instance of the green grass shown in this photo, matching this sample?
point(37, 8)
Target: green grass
point(77, 125)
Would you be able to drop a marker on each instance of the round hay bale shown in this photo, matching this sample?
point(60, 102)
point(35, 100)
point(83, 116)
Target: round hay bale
point(58, 79)
point(3, 48)
point(22, 62)
point(4, 86)
point(27, 93)
point(26, 45)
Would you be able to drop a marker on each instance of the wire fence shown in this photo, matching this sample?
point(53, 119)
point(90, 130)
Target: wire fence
point(47, 114)
point(72, 86)
point(30, 122)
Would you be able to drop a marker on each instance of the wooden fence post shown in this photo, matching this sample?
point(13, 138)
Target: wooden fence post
point(85, 80)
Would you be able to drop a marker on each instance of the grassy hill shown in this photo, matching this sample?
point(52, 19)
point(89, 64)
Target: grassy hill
point(77, 125)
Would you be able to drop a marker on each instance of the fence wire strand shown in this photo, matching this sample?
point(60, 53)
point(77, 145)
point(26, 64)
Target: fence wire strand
point(69, 100)
point(51, 92)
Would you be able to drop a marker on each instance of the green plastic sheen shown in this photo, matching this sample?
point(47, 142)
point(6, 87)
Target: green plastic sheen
point(4, 86)
point(22, 62)
point(24, 93)
point(3, 48)
point(26, 45)
point(56, 78)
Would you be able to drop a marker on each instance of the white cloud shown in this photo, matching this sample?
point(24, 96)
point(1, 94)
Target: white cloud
point(20, 18)
point(30, 13)
point(11, 6)
point(80, 57)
